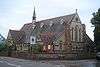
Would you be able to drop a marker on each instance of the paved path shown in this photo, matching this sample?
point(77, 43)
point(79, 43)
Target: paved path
point(14, 62)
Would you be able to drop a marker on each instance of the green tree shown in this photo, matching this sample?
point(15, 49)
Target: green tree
point(96, 22)
point(3, 47)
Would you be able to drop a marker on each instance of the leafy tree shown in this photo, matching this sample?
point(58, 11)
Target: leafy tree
point(3, 47)
point(96, 22)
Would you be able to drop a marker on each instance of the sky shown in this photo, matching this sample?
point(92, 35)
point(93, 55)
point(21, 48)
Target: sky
point(15, 13)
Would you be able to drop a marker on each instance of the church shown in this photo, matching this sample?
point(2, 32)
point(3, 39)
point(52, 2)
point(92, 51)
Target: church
point(55, 35)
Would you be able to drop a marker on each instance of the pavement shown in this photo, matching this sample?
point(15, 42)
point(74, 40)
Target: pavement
point(15, 62)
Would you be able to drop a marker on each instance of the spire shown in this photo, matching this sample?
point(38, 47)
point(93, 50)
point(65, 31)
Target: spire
point(34, 16)
point(76, 10)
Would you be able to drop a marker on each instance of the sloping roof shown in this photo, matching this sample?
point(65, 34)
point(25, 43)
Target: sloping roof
point(56, 26)
point(55, 23)
point(66, 18)
point(17, 36)
point(89, 41)
point(26, 26)
point(58, 35)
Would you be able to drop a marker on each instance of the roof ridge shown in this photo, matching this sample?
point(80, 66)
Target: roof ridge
point(28, 23)
point(52, 18)
point(14, 30)
point(57, 17)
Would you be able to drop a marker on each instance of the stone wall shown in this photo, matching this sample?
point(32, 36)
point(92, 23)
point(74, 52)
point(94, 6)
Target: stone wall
point(47, 56)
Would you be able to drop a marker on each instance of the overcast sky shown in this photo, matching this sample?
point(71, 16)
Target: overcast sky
point(15, 13)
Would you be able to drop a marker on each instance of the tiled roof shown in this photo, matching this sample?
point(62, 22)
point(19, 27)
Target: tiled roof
point(55, 23)
point(17, 36)
point(50, 25)
point(57, 28)
point(66, 18)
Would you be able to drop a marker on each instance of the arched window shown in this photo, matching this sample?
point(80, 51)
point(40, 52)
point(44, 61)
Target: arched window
point(72, 32)
point(80, 35)
point(76, 33)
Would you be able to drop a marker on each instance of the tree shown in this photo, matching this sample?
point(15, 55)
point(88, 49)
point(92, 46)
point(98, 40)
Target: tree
point(3, 47)
point(96, 22)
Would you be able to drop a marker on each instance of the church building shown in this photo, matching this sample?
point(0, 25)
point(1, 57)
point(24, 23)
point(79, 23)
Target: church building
point(64, 33)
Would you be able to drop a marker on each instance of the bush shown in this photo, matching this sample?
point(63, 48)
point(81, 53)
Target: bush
point(37, 48)
point(3, 47)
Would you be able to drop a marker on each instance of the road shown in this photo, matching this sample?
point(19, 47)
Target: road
point(14, 62)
